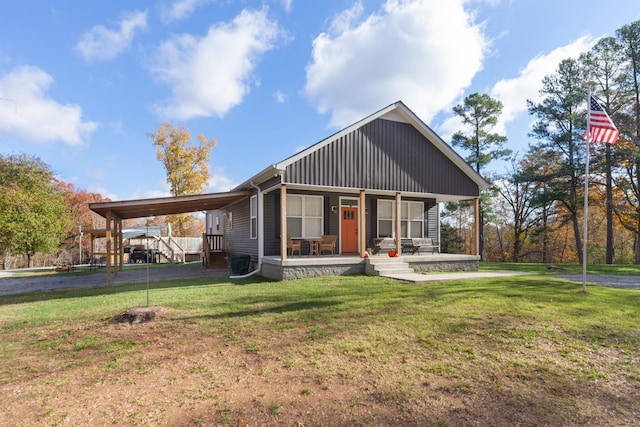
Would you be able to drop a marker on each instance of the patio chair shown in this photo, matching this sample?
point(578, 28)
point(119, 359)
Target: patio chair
point(328, 243)
point(293, 246)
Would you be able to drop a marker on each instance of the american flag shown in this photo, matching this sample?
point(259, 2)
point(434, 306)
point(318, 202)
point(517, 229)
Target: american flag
point(601, 127)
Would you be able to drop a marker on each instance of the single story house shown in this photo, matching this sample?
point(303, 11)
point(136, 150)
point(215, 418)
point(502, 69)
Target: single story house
point(379, 181)
point(382, 177)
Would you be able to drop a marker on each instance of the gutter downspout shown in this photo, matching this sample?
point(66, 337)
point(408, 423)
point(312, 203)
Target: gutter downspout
point(260, 235)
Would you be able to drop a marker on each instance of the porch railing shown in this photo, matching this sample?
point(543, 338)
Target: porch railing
point(214, 242)
point(171, 249)
point(213, 250)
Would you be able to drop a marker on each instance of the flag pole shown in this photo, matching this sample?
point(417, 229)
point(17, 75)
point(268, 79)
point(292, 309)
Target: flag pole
point(585, 220)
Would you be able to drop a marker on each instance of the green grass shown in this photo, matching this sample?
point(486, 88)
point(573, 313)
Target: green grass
point(528, 267)
point(530, 350)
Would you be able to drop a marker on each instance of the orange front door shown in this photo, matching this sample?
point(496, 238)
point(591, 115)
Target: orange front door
point(349, 227)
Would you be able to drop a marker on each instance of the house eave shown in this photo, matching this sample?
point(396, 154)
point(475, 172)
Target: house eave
point(387, 193)
point(262, 176)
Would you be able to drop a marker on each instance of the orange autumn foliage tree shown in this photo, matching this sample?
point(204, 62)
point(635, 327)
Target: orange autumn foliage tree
point(82, 218)
point(186, 165)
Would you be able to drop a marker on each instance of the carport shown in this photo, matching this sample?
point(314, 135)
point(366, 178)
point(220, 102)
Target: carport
point(115, 212)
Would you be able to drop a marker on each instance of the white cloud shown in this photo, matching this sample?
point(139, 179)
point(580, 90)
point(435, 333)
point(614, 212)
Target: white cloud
point(26, 112)
point(514, 93)
point(406, 51)
point(104, 44)
point(288, 5)
point(280, 97)
point(210, 75)
point(180, 9)
point(220, 182)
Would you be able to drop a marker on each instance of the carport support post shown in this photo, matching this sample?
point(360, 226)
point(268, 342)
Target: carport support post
point(363, 231)
point(93, 247)
point(398, 222)
point(115, 246)
point(121, 244)
point(283, 222)
point(107, 235)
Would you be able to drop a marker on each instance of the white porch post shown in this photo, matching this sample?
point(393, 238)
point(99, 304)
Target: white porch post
point(476, 226)
point(260, 224)
point(283, 222)
point(363, 224)
point(398, 228)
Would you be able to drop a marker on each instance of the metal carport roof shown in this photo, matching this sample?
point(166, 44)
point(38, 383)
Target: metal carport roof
point(142, 208)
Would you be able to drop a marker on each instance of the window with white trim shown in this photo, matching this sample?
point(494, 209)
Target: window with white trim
point(254, 217)
point(411, 219)
point(386, 216)
point(304, 215)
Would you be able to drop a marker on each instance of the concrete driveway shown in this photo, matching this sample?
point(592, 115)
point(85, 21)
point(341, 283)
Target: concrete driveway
point(10, 284)
point(628, 282)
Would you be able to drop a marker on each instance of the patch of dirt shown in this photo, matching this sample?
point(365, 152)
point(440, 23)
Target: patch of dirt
point(151, 367)
point(179, 375)
point(185, 372)
point(136, 315)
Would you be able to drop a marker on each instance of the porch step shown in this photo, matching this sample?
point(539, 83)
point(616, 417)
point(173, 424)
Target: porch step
point(386, 266)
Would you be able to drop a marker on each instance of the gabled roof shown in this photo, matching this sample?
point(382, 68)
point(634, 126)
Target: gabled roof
point(172, 205)
point(397, 111)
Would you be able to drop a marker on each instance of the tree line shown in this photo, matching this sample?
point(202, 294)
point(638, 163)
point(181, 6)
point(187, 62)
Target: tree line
point(43, 218)
point(534, 211)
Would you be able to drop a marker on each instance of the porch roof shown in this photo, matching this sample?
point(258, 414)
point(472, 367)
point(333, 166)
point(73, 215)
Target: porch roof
point(141, 208)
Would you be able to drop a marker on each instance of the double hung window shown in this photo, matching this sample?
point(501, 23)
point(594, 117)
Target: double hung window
point(411, 218)
point(253, 233)
point(304, 216)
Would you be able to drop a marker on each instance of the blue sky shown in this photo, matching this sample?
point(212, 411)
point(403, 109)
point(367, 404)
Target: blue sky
point(83, 83)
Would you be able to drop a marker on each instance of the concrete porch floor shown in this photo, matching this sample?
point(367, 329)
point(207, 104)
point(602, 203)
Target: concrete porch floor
point(296, 267)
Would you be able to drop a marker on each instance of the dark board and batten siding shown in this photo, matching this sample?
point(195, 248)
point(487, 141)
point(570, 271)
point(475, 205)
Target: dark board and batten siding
point(382, 155)
point(271, 223)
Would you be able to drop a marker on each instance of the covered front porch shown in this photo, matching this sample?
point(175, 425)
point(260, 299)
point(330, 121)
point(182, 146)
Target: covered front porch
point(297, 267)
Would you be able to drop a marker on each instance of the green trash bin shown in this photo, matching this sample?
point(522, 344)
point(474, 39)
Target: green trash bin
point(239, 264)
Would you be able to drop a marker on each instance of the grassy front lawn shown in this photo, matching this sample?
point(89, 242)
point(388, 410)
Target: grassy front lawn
point(529, 350)
point(530, 267)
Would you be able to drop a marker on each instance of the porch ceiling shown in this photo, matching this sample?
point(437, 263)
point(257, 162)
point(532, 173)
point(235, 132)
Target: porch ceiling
point(127, 209)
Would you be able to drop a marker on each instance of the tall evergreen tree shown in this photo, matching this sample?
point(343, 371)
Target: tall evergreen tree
point(605, 66)
point(542, 168)
point(480, 114)
point(561, 120)
point(629, 125)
